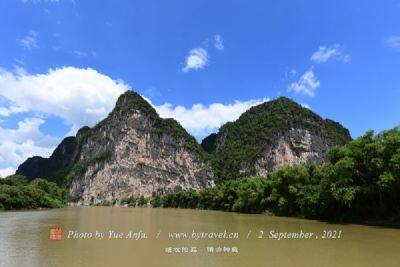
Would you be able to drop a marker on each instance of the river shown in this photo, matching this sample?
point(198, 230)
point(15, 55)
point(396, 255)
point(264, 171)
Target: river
point(178, 237)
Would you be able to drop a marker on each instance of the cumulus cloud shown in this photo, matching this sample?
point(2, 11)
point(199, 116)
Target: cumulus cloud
point(197, 59)
point(29, 41)
point(78, 96)
point(325, 53)
point(16, 145)
point(393, 42)
point(218, 42)
point(307, 84)
point(201, 120)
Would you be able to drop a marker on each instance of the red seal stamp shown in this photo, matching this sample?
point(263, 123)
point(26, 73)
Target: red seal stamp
point(56, 233)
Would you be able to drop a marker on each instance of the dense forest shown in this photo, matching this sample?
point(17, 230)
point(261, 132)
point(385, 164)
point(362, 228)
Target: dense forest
point(361, 183)
point(17, 193)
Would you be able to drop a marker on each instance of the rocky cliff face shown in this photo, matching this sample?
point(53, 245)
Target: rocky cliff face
point(270, 136)
point(131, 152)
point(297, 146)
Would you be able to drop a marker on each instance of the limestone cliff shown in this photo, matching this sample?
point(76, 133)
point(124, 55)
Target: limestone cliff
point(297, 146)
point(132, 152)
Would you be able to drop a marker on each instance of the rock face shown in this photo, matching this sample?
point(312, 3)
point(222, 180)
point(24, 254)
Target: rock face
point(132, 152)
point(297, 146)
point(270, 136)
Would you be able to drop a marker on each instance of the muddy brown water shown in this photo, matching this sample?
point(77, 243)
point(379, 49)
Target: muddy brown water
point(178, 237)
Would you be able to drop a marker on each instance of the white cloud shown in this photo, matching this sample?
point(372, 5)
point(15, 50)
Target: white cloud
point(393, 42)
point(6, 172)
point(16, 145)
point(201, 120)
point(29, 41)
point(219, 42)
point(7, 111)
point(78, 96)
point(325, 53)
point(197, 59)
point(307, 84)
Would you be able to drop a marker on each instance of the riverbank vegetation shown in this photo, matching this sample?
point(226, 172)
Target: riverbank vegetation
point(17, 193)
point(360, 182)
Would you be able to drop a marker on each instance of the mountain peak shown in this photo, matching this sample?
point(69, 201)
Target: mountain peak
point(270, 135)
point(284, 99)
point(282, 102)
point(131, 100)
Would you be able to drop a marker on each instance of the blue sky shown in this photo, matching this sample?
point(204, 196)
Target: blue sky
point(64, 63)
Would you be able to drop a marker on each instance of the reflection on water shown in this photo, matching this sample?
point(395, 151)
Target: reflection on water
point(24, 240)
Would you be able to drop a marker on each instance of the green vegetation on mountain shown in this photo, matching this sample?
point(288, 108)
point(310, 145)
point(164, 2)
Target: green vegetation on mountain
point(244, 140)
point(17, 193)
point(53, 169)
point(209, 144)
point(361, 183)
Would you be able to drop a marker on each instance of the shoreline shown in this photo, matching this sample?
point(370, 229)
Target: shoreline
point(379, 224)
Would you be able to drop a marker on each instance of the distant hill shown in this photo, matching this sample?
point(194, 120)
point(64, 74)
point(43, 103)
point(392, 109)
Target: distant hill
point(268, 136)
